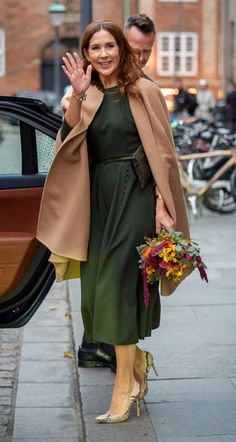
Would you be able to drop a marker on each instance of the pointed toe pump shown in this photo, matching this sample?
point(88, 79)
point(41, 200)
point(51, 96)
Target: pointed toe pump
point(109, 418)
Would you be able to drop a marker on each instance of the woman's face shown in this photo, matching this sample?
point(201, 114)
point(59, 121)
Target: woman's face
point(104, 55)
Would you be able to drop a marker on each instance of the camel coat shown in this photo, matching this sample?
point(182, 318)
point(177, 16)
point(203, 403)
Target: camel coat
point(64, 219)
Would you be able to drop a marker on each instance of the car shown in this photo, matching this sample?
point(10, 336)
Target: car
point(28, 130)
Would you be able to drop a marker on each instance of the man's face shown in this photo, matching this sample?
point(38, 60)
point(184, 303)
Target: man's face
point(142, 42)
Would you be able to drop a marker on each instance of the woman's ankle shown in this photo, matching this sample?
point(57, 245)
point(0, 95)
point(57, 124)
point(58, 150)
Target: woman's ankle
point(125, 385)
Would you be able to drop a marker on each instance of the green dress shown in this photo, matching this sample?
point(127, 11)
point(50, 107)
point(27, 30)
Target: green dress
point(113, 308)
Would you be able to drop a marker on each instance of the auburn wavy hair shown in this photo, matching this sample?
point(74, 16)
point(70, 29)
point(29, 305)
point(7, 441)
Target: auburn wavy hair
point(129, 70)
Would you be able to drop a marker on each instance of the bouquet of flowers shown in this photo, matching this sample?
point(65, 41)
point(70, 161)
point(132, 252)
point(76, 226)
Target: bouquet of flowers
point(168, 255)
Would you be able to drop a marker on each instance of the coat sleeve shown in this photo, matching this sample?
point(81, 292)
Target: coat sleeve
point(66, 100)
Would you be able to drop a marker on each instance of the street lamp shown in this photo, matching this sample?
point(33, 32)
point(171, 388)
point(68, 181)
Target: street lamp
point(57, 12)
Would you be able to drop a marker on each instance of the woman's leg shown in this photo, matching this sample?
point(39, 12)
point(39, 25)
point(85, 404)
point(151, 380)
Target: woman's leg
point(124, 381)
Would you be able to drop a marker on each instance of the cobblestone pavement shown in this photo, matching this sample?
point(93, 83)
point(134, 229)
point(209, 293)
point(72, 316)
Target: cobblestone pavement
point(10, 348)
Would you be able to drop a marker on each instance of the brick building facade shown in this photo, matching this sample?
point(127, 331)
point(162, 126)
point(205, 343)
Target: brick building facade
point(188, 40)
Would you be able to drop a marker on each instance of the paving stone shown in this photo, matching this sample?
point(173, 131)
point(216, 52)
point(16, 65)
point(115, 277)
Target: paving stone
point(8, 353)
point(5, 400)
point(202, 297)
point(191, 390)
point(7, 364)
point(233, 380)
point(134, 430)
point(47, 334)
point(188, 419)
point(10, 342)
point(58, 291)
point(44, 423)
point(3, 420)
point(6, 382)
point(44, 351)
point(227, 438)
point(99, 405)
point(5, 410)
point(45, 439)
point(87, 377)
point(10, 335)
point(222, 313)
point(5, 392)
point(52, 306)
point(10, 346)
point(45, 395)
point(46, 371)
point(3, 430)
point(58, 318)
point(7, 374)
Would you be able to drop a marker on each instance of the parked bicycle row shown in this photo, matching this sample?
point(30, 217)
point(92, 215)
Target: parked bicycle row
point(207, 164)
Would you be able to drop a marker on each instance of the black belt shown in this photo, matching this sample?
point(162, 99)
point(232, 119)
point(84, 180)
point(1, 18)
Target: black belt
point(113, 160)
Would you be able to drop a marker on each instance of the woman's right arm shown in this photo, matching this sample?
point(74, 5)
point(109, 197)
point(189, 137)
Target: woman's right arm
point(80, 82)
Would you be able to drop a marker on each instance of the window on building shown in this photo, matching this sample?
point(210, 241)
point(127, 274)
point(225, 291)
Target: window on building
point(2, 52)
point(177, 53)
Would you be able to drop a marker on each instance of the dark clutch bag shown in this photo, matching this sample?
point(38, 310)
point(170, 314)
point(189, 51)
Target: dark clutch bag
point(141, 167)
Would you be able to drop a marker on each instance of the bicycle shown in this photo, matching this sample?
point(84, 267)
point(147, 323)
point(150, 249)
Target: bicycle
point(216, 193)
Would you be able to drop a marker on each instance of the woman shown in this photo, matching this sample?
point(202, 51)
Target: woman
point(111, 111)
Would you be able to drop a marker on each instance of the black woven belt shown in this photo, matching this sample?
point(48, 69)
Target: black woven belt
point(113, 160)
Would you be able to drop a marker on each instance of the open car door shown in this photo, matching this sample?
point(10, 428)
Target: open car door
point(27, 145)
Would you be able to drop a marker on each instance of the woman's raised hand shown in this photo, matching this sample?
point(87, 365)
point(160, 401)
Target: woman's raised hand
point(73, 69)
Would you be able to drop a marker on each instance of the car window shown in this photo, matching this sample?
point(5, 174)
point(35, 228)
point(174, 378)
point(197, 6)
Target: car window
point(10, 146)
point(45, 151)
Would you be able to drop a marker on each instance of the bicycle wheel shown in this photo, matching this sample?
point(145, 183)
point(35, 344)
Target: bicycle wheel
point(219, 200)
point(233, 184)
point(197, 169)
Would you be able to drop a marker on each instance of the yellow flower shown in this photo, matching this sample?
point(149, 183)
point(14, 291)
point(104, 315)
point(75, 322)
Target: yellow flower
point(168, 253)
point(149, 270)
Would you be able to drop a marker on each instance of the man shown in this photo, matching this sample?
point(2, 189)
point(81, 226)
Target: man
point(140, 33)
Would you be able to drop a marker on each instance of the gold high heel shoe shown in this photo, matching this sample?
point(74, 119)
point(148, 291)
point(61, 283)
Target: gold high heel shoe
point(108, 418)
point(148, 365)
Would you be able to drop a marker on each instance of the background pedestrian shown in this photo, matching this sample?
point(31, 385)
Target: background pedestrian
point(205, 101)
